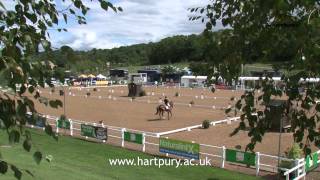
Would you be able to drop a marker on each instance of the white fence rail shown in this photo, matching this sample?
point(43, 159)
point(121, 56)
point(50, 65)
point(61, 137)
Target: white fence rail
point(220, 154)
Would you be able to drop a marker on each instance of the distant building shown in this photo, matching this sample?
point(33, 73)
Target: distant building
point(138, 78)
point(152, 75)
point(193, 81)
point(172, 78)
point(118, 74)
point(265, 73)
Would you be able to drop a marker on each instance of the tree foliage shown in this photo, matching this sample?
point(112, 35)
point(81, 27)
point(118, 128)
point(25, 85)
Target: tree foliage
point(173, 49)
point(271, 31)
point(23, 33)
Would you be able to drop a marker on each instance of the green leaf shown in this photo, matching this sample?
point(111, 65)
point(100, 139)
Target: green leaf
point(104, 5)
point(55, 19)
point(14, 136)
point(3, 167)
point(32, 17)
point(27, 134)
point(37, 156)
point(37, 95)
point(48, 130)
point(77, 3)
point(45, 44)
point(72, 11)
point(55, 103)
point(49, 158)
point(227, 110)
point(120, 9)
point(28, 172)
point(27, 145)
point(307, 151)
point(65, 17)
point(209, 26)
point(17, 172)
point(84, 10)
point(31, 89)
point(1, 5)
point(22, 89)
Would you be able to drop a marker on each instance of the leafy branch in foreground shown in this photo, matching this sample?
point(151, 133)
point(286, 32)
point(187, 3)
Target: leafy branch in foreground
point(23, 33)
point(279, 32)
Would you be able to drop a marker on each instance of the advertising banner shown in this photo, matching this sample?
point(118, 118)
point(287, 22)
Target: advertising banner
point(133, 137)
point(241, 157)
point(179, 148)
point(94, 132)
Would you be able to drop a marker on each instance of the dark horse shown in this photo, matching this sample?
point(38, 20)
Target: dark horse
point(162, 108)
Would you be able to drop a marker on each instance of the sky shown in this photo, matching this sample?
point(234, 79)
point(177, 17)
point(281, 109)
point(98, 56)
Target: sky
point(141, 21)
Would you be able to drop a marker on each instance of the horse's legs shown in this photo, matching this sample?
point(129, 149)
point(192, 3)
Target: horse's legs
point(159, 112)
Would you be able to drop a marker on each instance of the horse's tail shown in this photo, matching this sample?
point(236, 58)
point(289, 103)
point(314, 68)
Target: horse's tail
point(157, 110)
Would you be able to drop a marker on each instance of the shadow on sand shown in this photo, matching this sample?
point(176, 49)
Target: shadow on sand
point(157, 119)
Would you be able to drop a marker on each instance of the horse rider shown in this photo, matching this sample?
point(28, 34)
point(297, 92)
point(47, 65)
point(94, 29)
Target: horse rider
point(166, 102)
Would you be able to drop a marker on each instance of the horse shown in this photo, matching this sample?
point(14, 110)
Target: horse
point(162, 108)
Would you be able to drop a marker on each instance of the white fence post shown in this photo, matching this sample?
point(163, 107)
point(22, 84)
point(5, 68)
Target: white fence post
point(287, 176)
point(122, 136)
point(223, 156)
point(166, 153)
point(296, 163)
point(143, 142)
point(57, 128)
point(71, 127)
point(257, 163)
point(304, 168)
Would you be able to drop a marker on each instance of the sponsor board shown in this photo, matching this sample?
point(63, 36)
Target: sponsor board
point(241, 157)
point(133, 137)
point(179, 148)
point(312, 161)
point(94, 132)
point(63, 124)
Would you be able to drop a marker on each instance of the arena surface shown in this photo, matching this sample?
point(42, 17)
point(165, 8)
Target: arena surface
point(112, 106)
point(116, 109)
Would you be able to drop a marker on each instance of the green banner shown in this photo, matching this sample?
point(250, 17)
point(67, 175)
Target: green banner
point(240, 157)
point(94, 132)
point(179, 148)
point(312, 161)
point(63, 124)
point(133, 137)
point(87, 130)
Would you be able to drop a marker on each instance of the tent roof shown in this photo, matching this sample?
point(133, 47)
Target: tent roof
point(83, 76)
point(91, 76)
point(100, 76)
point(194, 77)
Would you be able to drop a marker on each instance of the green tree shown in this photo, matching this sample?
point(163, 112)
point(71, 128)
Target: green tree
point(23, 32)
point(273, 31)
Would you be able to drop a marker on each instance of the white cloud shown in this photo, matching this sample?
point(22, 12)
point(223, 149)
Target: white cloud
point(142, 21)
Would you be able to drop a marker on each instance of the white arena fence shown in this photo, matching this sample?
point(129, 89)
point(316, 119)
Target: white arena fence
point(150, 144)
